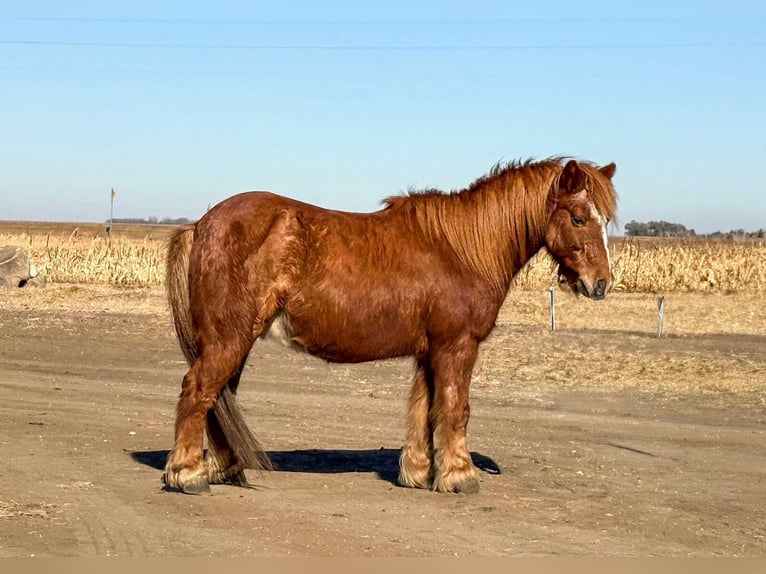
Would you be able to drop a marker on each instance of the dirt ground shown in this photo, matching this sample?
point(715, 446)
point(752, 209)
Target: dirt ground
point(598, 439)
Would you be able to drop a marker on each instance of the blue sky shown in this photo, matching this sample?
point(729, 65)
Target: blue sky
point(178, 105)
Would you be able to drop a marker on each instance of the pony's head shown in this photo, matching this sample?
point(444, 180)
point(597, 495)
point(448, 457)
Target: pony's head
point(580, 206)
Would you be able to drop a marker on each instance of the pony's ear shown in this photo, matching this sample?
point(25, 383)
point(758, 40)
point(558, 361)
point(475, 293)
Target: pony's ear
point(572, 179)
point(608, 170)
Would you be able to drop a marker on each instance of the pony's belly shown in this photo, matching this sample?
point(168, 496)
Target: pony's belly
point(345, 343)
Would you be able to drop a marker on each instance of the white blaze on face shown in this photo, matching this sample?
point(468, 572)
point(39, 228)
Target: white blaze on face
point(602, 221)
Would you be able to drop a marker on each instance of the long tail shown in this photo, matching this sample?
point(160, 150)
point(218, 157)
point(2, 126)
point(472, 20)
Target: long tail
point(177, 287)
point(246, 447)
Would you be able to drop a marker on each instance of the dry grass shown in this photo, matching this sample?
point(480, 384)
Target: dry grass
point(135, 255)
point(527, 364)
point(14, 509)
point(84, 298)
point(685, 314)
point(712, 344)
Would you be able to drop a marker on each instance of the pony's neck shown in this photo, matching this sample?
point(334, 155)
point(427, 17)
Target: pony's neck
point(494, 226)
point(511, 209)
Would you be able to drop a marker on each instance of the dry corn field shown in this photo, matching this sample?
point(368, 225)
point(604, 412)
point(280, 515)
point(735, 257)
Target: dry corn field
point(671, 266)
point(135, 255)
point(69, 253)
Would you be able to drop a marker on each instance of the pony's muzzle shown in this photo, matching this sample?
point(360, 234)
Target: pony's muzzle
point(597, 291)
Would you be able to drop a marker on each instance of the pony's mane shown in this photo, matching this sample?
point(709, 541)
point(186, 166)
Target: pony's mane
point(497, 223)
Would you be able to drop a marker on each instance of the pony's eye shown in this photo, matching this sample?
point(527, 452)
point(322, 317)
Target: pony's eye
point(578, 221)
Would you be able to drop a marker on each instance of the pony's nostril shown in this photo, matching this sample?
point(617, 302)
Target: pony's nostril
point(600, 288)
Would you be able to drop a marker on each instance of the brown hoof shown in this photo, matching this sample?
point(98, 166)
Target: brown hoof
point(197, 485)
point(470, 486)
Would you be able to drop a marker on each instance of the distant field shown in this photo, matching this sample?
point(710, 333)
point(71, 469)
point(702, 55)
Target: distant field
point(135, 255)
point(59, 230)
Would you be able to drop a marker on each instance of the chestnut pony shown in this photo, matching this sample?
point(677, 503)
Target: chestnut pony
point(423, 277)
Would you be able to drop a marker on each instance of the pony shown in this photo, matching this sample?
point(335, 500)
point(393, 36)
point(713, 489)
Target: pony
point(425, 276)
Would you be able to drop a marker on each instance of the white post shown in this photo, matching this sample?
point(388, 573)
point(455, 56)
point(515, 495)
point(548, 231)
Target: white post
point(553, 308)
point(660, 314)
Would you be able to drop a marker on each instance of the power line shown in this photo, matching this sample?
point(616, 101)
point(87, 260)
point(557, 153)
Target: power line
point(403, 21)
point(381, 47)
point(607, 75)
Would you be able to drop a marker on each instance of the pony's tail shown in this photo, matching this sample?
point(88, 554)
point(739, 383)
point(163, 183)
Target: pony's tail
point(226, 412)
point(177, 288)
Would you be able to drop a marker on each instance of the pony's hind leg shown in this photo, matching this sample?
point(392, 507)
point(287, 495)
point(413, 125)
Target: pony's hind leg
point(231, 446)
point(235, 289)
point(223, 465)
point(185, 469)
point(415, 462)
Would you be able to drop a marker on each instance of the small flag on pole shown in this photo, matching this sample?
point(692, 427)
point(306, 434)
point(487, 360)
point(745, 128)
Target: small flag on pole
point(111, 216)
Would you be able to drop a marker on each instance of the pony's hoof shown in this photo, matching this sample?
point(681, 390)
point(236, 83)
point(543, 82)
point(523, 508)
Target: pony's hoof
point(415, 470)
point(196, 485)
point(469, 486)
point(193, 485)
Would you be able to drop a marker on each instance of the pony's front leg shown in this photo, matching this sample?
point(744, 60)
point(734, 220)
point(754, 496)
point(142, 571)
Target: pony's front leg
point(455, 471)
point(416, 460)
